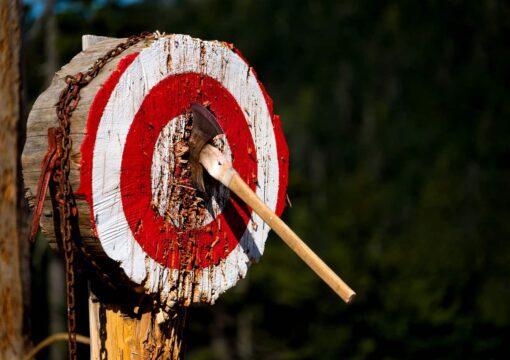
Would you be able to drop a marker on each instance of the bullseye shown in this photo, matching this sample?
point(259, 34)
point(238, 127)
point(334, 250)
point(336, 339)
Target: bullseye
point(170, 179)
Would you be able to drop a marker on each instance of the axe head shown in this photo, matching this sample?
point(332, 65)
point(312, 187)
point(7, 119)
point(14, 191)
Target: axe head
point(205, 128)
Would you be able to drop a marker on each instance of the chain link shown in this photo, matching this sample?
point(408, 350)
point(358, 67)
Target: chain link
point(103, 352)
point(68, 102)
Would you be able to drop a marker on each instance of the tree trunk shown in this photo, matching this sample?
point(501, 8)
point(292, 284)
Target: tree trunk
point(10, 104)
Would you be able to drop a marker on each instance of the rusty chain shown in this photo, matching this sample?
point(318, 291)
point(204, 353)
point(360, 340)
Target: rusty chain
point(103, 352)
point(67, 104)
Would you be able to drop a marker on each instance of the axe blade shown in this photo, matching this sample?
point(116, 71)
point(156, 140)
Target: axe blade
point(205, 128)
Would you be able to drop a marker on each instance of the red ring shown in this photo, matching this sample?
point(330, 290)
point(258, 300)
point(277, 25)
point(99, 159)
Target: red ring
point(160, 239)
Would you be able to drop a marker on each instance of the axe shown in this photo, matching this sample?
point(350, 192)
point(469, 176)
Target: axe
point(203, 155)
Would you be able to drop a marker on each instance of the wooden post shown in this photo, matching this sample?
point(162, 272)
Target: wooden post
point(143, 336)
point(10, 283)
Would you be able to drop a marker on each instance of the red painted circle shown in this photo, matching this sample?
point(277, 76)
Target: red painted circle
point(160, 239)
point(168, 99)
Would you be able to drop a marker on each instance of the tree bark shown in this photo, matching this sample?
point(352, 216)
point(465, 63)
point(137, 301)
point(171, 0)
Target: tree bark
point(10, 111)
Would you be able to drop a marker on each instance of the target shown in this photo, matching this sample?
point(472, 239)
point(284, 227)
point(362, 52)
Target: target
point(144, 210)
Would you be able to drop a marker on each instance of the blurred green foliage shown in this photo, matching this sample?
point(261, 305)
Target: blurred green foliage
point(397, 115)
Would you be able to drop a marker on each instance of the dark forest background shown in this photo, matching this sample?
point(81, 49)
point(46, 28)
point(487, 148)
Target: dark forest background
point(397, 115)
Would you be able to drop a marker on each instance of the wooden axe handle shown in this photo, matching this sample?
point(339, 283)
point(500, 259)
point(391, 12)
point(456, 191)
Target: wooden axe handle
point(221, 169)
point(241, 189)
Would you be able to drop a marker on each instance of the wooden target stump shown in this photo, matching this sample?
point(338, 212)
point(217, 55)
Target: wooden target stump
point(141, 220)
point(148, 217)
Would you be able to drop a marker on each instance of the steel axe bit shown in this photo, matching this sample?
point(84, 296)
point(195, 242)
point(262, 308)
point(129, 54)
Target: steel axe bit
point(204, 155)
